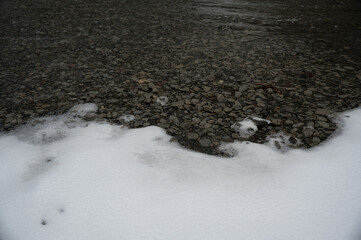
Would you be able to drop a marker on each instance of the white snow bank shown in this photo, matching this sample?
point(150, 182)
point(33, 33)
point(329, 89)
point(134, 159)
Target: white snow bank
point(100, 181)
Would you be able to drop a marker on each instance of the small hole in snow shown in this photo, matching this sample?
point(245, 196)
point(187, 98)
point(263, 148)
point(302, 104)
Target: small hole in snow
point(61, 210)
point(43, 222)
point(347, 116)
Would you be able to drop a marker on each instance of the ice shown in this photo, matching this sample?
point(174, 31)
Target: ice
point(102, 181)
point(163, 100)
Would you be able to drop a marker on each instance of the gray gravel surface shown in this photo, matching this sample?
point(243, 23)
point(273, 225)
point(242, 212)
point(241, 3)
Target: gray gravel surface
point(294, 63)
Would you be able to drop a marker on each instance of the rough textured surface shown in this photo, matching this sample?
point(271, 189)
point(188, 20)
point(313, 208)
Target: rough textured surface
point(294, 63)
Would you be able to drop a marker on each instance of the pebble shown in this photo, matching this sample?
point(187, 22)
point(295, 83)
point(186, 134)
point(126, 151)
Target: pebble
point(308, 132)
point(323, 124)
point(205, 142)
point(323, 112)
point(289, 122)
point(277, 145)
point(308, 93)
point(192, 135)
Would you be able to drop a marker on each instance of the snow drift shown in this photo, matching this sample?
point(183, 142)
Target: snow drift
point(67, 179)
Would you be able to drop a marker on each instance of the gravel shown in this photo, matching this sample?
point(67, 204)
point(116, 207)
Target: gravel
point(191, 67)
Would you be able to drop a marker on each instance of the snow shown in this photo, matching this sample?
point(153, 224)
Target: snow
point(83, 109)
point(67, 179)
point(260, 119)
point(245, 128)
point(248, 127)
point(127, 118)
point(283, 141)
point(163, 100)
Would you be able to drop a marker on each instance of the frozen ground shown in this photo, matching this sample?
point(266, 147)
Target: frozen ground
point(67, 179)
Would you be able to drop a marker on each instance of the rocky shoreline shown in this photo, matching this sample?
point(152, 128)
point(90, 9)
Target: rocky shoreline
point(295, 64)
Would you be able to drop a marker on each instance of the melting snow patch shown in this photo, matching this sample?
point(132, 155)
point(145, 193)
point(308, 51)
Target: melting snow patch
point(127, 118)
point(163, 100)
point(245, 128)
point(248, 127)
point(102, 181)
point(82, 110)
point(260, 120)
point(282, 141)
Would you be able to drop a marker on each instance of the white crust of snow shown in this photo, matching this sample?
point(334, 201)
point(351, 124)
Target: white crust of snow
point(101, 181)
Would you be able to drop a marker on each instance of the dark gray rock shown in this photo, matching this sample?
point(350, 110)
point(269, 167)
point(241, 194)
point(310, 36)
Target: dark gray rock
point(192, 135)
point(205, 142)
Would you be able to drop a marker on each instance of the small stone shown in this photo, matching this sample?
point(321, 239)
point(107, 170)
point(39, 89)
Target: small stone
point(310, 124)
point(292, 140)
point(323, 124)
point(227, 139)
point(196, 120)
point(308, 132)
point(323, 111)
point(289, 122)
point(186, 125)
point(142, 80)
point(206, 88)
point(178, 104)
point(227, 109)
point(242, 88)
point(277, 145)
point(205, 142)
point(276, 121)
point(220, 97)
point(235, 135)
point(192, 135)
point(322, 119)
point(218, 110)
point(115, 39)
point(308, 93)
point(316, 140)
point(137, 123)
point(174, 119)
point(232, 114)
point(298, 125)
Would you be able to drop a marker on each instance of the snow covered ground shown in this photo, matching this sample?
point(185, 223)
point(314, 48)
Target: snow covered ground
point(67, 179)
